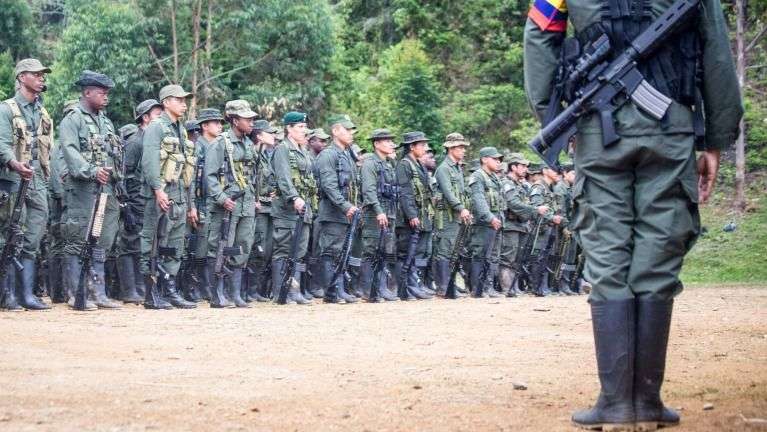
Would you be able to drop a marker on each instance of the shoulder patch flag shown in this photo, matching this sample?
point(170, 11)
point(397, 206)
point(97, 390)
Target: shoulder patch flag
point(549, 15)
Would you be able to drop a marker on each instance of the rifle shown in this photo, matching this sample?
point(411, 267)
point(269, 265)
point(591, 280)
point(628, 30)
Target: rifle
point(292, 262)
point(342, 261)
point(402, 291)
point(492, 236)
point(156, 270)
point(565, 240)
point(538, 268)
point(92, 235)
point(455, 265)
point(598, 85)
point(14, 239)
point(223, 249)
point(579, 264)
point(524, 253)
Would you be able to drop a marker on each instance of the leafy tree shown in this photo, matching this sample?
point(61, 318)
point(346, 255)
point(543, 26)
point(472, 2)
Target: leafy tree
point(17, 29)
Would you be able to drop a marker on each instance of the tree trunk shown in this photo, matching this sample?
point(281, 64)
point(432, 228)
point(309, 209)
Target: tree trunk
point(740, 144)
point(208, 52)
point(195, 63)
point(175, 40)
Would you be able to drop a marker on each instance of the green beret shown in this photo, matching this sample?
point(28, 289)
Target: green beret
point(294, 117)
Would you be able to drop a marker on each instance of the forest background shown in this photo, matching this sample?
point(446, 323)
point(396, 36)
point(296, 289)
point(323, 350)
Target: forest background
point(435, 66)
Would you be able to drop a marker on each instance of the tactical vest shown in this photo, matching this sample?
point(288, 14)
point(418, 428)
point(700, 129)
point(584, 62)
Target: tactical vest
point(241, 169)
point(387, 189)
point(510, 187)
point(102, 145)
point(492, 196)
point(266, 178)
point(421, 192)
point(345, 175)
point(177, 159)
point(304, 182)
point(28, 145)
point(674, 69)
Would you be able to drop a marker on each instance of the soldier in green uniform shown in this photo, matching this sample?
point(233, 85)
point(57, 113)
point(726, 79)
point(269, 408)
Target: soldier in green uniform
point(261, 253)
point(542, 195)
point(26, 136)
point(317, 141)
point(295, 196)
point(338, 204)
point(92, 152)
point(636, 201)
point(129, 241)
point(416, 211)
point(229, 166)
point(56, 205)
point(168, 166)
point(519, 214)
point(451, 209)
point(379, 202)
point(566, 244)
point(487, 207)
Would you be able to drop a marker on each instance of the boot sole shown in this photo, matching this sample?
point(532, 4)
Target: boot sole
point(654, 425)
point(609, 427)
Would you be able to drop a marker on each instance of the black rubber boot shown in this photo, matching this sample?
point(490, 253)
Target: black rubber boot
point(25, 285)
point(234, 284)
point(441, 276)
point(152, 298)
point(170, 292)
point(204, 286)
point(342, 293)
point(140, 289)
point(614, 324)
point(71, 281)
point(325, 275)
point(126, 270)
point(653, 320)
point(294, 294)
point(414, 286)
point(490, 286)
point(506, 279)
point(365, 282)
point(8, 300)
point(255, 286)
point(56, 284)
point(217, 298)
point(98, 286)
point(385, 291)
point(403, 293)
point(475, 272)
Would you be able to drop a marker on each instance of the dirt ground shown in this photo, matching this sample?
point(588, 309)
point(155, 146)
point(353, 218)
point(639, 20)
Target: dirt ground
point(434, 365)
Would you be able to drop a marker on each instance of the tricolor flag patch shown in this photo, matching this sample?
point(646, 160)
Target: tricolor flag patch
point(549, 15)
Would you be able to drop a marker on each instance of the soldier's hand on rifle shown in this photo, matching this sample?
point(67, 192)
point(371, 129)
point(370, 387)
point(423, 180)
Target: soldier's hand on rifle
point(351, 211)
point(383, 220)
point(299, 205)
point(557, 219)
point(496, 224)
point(229, 204)
point(258, 205)
point(415, 223)
point(102, 174)
point(466, 216)
point(542, 210)
point(708, 167)
point(162, 200)
point(22, 169)
point(192, 218)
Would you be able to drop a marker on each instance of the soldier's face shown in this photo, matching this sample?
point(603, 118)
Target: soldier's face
point(176, 106)
point(344, 136)
point(297, 133)
point(243, 125)
point(96, 97)
point(33, 81)
point(458, 152)
point(492, 164)
point(266, 138)
point(418, 150)
point(519, 170)
point(385, 146)
point(212, 128)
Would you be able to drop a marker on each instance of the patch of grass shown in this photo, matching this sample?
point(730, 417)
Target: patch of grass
point(731, 257)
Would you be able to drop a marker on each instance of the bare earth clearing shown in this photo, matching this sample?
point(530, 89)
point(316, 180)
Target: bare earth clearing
point(435, 365)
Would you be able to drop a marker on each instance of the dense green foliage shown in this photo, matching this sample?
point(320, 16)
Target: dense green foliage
point(435, 65)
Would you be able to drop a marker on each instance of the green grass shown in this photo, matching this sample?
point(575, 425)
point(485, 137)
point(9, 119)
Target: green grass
point(731, 257)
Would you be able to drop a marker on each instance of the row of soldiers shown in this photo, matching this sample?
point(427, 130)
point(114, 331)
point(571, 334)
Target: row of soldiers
point(230, 209)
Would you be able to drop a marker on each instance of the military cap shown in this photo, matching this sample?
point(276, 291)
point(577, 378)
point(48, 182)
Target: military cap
point(535, 168)
point(414, 137)
point(209, 114)
point(473, 165)
point(173, 90)
point(294, 117)
point(30, 65)
point(518, 159)
point(318, 133)
point(263, 125)
point(357, 150)
point(89, 78)
point(145, 107)
point(342, 119)
point(239, 108)
point(454, 140)
point(191, 125)
point(380, 134)
point(128, 130)
point(490, 152)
